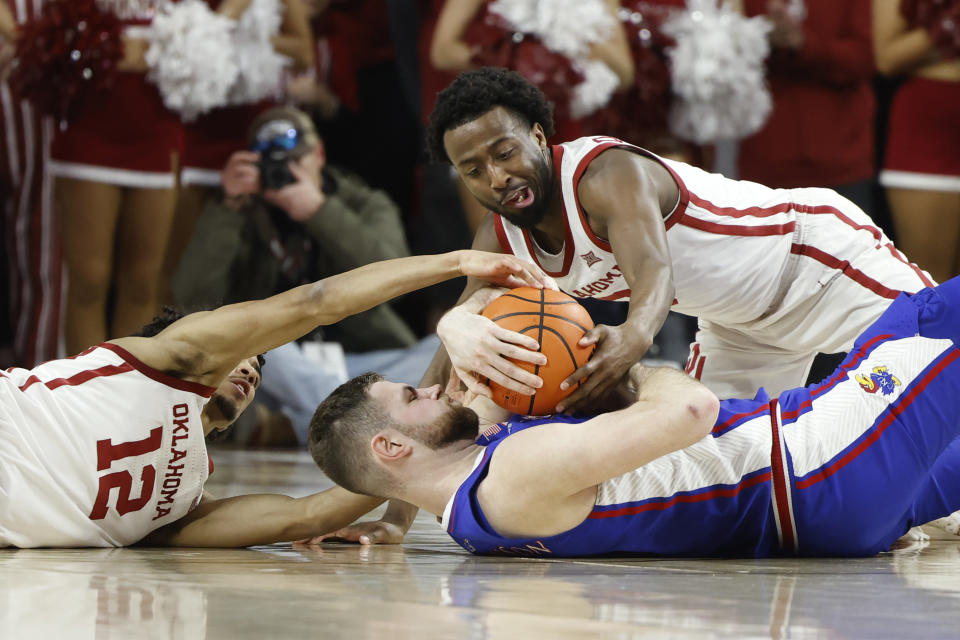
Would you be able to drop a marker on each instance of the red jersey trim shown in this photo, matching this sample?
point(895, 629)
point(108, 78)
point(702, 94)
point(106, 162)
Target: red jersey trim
point(739, 229)
point(577, 174)
point(501, 234)
point(159, 376)
point(672, 219)
point(845, 268)
point(724, 492)
point(78, 378)
point(783, 511)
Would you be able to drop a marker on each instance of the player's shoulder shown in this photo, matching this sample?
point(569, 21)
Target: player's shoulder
point(617, 163)
point(485, 238)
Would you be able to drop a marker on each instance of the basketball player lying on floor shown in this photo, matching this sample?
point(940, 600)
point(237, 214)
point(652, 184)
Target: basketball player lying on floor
point(107, 448)
point(774, 275)
point(844, 467)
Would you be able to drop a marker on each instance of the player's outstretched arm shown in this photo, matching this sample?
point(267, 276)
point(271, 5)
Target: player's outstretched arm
point(389, 529)
point(204, 347)
point(248, 520)
point(559, 465)
point(622, 192)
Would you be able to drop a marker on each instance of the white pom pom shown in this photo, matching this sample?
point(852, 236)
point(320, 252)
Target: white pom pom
point(261, 68)
point(594, 92)
point(568, 27)
point(191, 57)
point(565, 26)
point(717, 72)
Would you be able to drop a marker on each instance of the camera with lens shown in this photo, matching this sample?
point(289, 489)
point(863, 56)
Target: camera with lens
point(274, 171)
point(278, 143)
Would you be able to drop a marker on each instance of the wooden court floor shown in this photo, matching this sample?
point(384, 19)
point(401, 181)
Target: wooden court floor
point(430, 588)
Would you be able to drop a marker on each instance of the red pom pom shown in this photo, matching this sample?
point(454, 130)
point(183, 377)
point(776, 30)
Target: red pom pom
point(940, 18)
point(70, 49)
point(497, 45)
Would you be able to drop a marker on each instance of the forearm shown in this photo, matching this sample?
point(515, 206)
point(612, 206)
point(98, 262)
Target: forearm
point(8, 25)
point(295, 48)
point(651, 296)
point(672, 411)
point(295, 38)
point(902, 53)
point(249, 520)
point(615, 50)
point(400, 513)
point(448, 50)
point(684, 409)
point(897, 47)
point(367, 286)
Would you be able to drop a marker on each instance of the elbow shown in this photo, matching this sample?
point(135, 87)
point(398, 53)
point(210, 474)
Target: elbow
point(305, 58)
point(703, 409)
point(885, 67)
point(450, 56)
point(440, 61)
point(886, 64)
point(323, 303)
point(625, 73)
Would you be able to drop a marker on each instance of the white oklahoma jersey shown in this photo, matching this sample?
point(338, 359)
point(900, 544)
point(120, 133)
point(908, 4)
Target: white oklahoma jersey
point(97, 450)
point(774, 275)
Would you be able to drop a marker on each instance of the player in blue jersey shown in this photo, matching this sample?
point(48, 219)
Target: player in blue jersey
point(844, 467)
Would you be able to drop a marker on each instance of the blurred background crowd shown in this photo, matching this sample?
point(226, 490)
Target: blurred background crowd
point(194, 153)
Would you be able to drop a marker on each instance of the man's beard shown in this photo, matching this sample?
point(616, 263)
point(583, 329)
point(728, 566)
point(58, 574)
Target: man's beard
point(541, 186)
point(227, 407)
point(459, 424)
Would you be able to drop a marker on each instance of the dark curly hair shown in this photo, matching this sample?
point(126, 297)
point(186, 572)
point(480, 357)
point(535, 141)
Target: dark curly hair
point(474, 93)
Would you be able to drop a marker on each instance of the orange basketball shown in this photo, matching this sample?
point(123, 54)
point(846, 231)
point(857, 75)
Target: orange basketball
point(557, 322)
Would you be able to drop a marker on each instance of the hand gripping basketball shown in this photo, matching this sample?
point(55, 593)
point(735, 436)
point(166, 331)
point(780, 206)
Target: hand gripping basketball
point(557, 322)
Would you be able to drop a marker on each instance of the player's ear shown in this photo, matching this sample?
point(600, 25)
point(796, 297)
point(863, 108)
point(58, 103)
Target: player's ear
point(539, 135)
point(390, 445)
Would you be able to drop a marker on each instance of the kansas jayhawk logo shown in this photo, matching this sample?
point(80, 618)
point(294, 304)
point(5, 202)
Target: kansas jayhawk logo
point(590, 258)
point(879, 380)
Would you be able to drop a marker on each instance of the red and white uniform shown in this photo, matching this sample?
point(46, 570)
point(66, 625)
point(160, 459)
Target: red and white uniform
point(32, 245)
point(923, 144)
point(774, 275)
point(97, 450)
point(125, 135)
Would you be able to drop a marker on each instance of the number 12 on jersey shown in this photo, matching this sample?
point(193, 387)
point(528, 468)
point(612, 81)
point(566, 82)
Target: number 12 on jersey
point(107, 454)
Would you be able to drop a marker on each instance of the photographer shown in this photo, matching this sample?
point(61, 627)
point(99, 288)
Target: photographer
point(285, 218)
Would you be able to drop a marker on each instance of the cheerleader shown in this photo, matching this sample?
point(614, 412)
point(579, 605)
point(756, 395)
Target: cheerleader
point(115, 166)
point(920, 40)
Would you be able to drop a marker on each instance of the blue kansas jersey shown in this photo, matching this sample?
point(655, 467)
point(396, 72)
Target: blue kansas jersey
point(842, 467)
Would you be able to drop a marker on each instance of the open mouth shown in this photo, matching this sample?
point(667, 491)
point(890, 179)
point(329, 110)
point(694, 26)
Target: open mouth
point(242, 387)
point(519, 198)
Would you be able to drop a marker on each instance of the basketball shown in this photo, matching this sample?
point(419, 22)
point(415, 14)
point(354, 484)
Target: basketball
point(557, 322)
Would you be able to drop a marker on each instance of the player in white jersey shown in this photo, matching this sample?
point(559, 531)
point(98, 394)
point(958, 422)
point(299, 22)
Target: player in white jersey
point(774, 275)
point(107, 448)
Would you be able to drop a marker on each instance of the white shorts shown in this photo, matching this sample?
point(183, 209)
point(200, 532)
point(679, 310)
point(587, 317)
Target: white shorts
point(839, 283)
